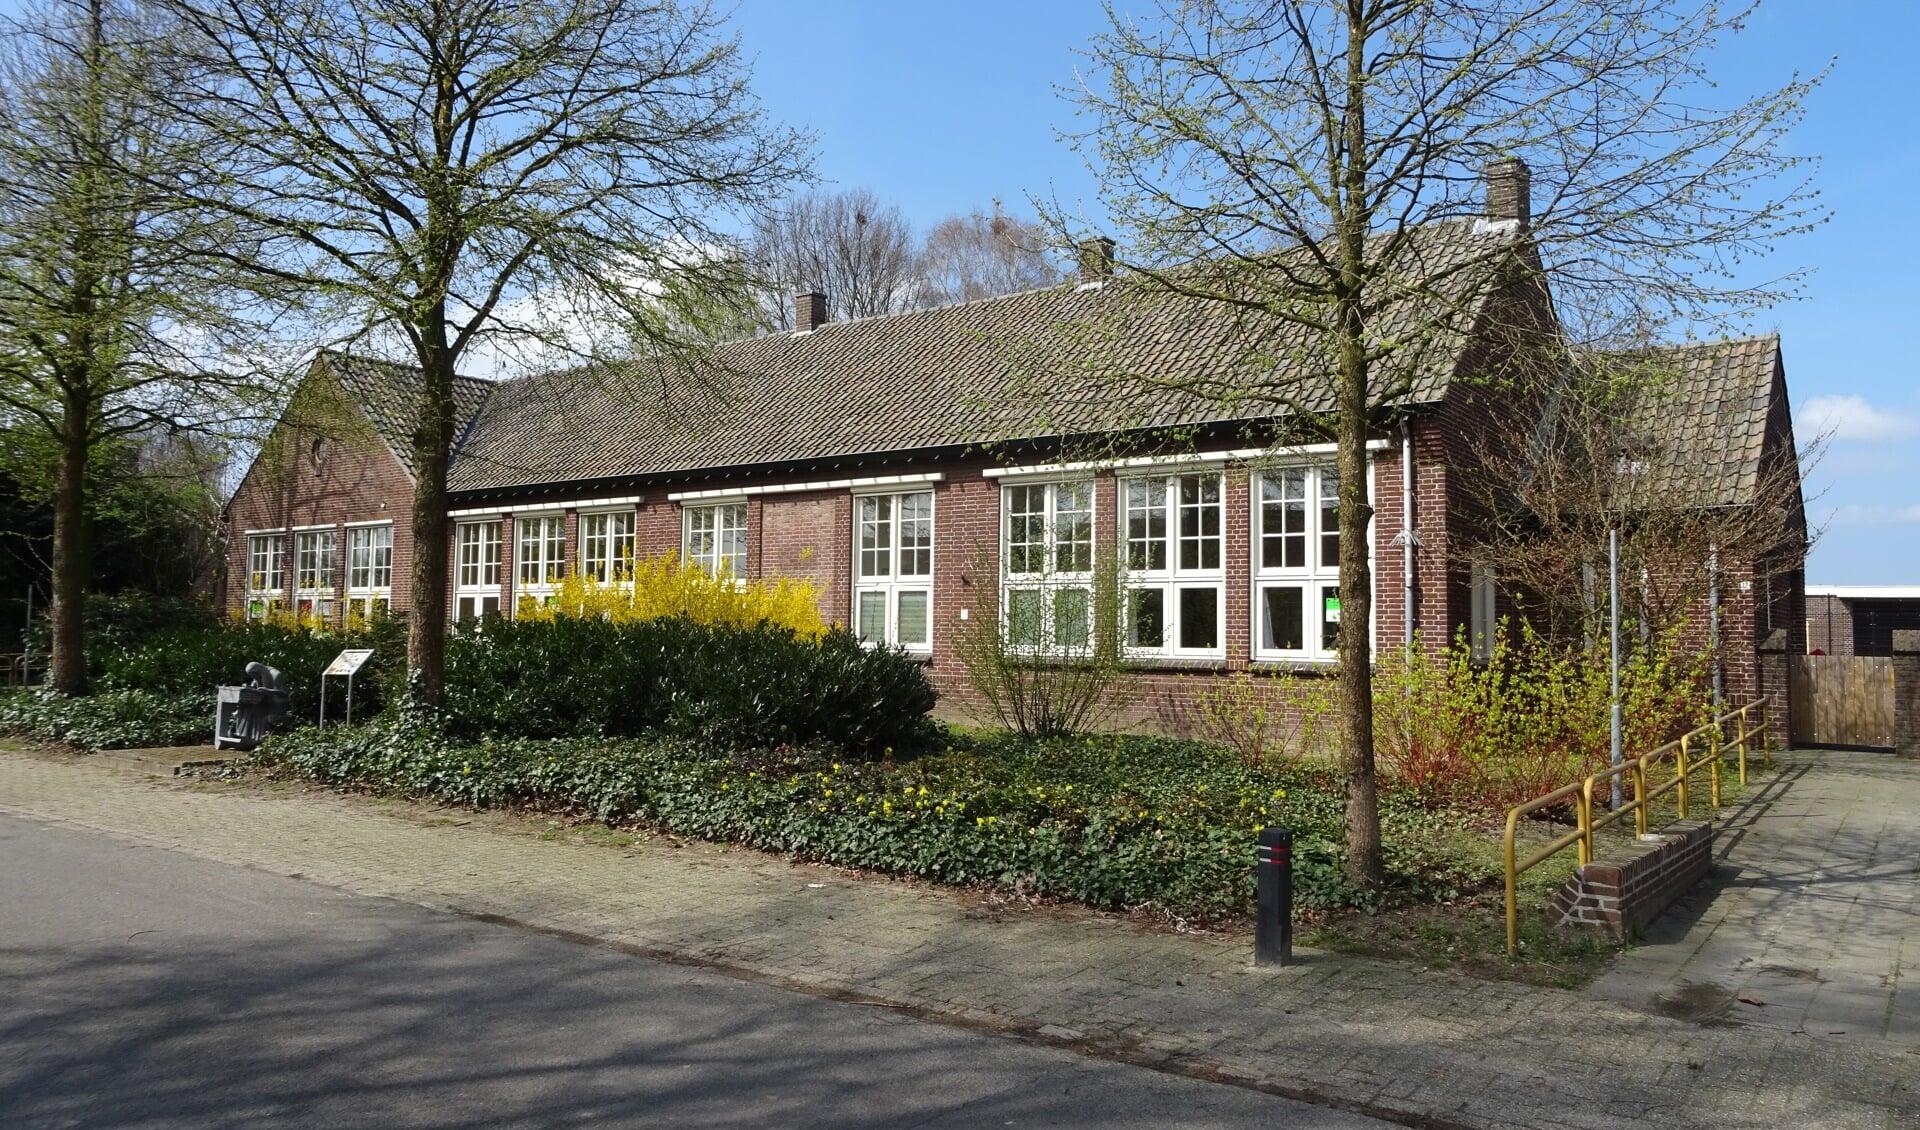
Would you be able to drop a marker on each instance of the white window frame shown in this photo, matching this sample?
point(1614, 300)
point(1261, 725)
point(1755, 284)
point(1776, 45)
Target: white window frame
point(705, 533)
point(369, 569)
point(1316, 575)
point(888, 571)
point(266, 573)
point(1053, 581)
point(1183, 562)
point(1482, 609)
point(606, 549)
point(549, 567)
point(314, 590)
point(476, 583)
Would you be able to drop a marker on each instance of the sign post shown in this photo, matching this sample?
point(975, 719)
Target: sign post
point(347, 664)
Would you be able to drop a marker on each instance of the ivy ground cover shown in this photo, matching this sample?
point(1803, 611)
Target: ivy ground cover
point(1111, 821)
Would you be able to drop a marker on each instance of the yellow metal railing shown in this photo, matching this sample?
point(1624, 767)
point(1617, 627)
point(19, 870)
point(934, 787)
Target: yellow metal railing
point(14, 671)
point(1735, 731)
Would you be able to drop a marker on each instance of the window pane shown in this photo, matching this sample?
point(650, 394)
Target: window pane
point(910, 624)
point(916, 534)
point(1329, 519)
point(1282, 624)
point(875, 540)
point(1147, 524)
point(1329, 617)
point(1283, 520)
point(1199, 521)
point(1026, 526)
point(1024, 617)
point(1070, 608)
point(1073, 527)
point(873, 617)
point(1147, 618)
point(1200, 618)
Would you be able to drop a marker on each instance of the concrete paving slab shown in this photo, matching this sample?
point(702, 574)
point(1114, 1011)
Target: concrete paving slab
point(1812, 909)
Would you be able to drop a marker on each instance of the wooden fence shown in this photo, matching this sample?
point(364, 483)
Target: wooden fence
point(1842, 700)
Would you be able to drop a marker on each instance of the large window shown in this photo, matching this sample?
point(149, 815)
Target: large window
point(476, 570)
point(369, 570)
point(606, 545)
point(893, 569)
point(266, 575)
point(1175, 564)
point(1297, 564)
point(539, 554)
point(716, 538)
point(313, 573)
point(1047, 590)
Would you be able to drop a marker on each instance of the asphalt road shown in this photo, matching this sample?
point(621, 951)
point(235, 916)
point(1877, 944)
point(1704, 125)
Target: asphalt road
point(141, 987)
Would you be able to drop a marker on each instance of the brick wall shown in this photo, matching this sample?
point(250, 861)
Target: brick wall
point(1621, 894)
point(1906, 693)
point(323, 465)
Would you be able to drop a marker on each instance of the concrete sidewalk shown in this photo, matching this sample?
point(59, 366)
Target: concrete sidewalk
point(1812, 917)
point(1431, 1049)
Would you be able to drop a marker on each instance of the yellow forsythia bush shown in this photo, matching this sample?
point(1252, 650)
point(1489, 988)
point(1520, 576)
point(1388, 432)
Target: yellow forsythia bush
point(667, 586)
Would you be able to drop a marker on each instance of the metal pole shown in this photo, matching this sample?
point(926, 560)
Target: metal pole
point(323, 702)
point(349, 698)
point(1713, 625)
point(1273, 921)
point(1613, 634)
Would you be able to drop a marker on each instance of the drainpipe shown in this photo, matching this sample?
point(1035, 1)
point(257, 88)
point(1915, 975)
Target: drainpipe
point(1713, 625)
point(1408, 539)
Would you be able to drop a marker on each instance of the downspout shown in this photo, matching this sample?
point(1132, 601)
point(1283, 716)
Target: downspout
point(1408, 539)
point(1713, 626)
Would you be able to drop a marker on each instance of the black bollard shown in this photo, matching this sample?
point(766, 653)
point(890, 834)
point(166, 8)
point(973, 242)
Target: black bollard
point(1273, 926)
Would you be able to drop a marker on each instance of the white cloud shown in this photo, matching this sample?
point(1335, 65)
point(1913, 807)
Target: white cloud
point(1854, 514)
point(1850, 417)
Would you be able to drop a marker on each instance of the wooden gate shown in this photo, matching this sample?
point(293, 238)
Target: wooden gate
point(1842, 700)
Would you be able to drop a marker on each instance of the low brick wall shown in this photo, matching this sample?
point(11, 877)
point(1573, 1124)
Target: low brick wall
point(1620, 895)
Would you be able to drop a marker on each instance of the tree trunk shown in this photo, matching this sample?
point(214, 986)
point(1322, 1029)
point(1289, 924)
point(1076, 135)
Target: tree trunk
point(432, 446)
point(1363, 867)
point(70, 560)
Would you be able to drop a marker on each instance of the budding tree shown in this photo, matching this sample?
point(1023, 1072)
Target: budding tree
point(448, 174)
point(1282, 158)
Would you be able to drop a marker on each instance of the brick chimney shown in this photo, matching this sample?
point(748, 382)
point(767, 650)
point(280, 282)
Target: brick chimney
point(809, 311)
point(1510, 191)
point(1096, 260)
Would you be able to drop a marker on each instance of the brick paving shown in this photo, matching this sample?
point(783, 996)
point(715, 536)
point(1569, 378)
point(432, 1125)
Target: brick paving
point(1426, 1048)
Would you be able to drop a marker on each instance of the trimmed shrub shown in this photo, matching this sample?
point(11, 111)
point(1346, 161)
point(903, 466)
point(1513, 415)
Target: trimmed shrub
point(188, 663)
point(759, 686)
point(1113, 822)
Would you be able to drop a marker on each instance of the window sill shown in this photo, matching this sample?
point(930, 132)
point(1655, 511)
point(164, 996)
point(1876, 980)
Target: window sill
point(1207, 665)
point(1328, 667)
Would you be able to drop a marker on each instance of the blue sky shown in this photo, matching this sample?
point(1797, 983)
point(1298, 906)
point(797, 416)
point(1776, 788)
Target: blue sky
point(944, 108)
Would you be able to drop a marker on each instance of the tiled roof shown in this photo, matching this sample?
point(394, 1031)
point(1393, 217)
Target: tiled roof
point(389, 394)
point(1707, 424)
point(1063, 361)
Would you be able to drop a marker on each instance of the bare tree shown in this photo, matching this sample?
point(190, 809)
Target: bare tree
point(980, 256)
point(113, 301)
point(453, 173)
point(855, 249)
point(1622, 450)
point(1289, 161)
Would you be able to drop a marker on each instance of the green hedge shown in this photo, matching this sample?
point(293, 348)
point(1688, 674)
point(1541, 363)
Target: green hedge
point(1112, 822)
point(191, 662)
point(733, 687)
point(126, 719)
